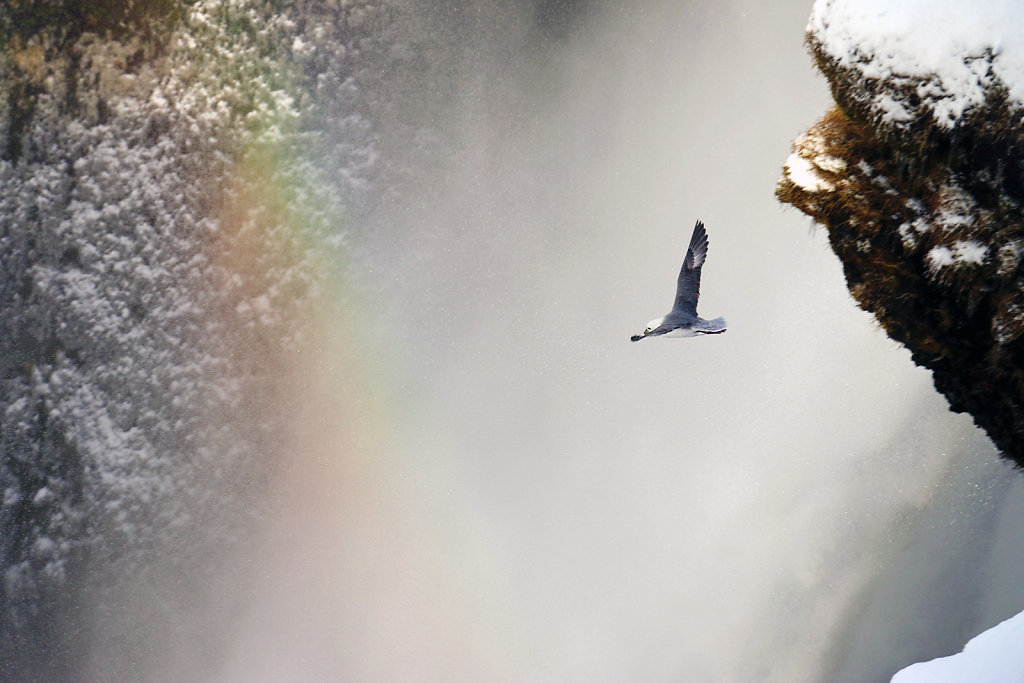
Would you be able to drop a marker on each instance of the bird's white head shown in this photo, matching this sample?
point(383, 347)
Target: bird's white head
point(647, 330)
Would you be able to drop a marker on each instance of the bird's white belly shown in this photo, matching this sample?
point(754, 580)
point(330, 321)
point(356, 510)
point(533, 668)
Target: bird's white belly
point(682, 332)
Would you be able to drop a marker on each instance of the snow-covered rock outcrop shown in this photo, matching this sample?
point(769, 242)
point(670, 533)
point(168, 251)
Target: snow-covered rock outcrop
point(917, 175)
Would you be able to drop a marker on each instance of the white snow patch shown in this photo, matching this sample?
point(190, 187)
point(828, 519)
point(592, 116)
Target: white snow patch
point(803, 174)
point(44, 547)
point(892, 109)
point(995, 656)
point(964, 252)
point(955, 48)
point(830, 163)
point(916, 205)
point(910, 230)
point(971, 251)
point(158, 100)
point(906, 231)
point(11, 497)
point(952, 217)
point(939, 257)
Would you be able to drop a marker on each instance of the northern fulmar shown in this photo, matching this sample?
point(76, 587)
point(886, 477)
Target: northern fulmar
point(682, 320)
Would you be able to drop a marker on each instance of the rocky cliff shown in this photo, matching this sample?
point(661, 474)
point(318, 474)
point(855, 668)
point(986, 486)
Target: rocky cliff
point(916, 174)
point(172, 177)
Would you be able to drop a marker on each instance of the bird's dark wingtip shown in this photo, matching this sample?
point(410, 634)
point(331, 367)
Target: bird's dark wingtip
point(636, 337)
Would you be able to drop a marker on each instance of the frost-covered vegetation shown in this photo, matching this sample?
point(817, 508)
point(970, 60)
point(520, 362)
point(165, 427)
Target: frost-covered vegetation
point(174, 177)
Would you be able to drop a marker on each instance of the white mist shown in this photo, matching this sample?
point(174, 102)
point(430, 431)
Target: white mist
point(512, 490)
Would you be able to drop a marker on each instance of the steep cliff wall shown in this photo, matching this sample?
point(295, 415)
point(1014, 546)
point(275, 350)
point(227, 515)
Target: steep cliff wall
point(917, 176)
point(172, 177)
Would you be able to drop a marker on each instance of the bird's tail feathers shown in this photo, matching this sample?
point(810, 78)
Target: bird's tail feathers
point(710, 326)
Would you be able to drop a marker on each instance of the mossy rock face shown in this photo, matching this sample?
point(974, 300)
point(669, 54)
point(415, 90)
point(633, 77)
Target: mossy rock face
point(41, 52)
point(927, 222)
point(67, 19)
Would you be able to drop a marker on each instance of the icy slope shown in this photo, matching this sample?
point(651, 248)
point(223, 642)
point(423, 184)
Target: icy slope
point(995, 656)
point(917, 176)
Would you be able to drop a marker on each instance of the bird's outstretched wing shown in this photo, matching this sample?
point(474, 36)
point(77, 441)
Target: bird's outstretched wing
point(688, 286)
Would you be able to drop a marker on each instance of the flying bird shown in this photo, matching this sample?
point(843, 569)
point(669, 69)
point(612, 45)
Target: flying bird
point(682, 320)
